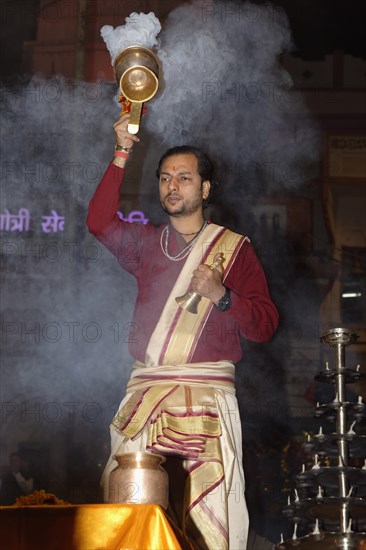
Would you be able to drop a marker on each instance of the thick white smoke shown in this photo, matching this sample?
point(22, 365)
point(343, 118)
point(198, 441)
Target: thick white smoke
point(140, 29)
point(223, 88)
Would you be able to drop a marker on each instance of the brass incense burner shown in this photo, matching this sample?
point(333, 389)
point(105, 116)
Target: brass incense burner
point(136, 70)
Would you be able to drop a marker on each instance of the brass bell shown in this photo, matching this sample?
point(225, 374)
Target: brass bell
point(136, 70)
point(191, 299)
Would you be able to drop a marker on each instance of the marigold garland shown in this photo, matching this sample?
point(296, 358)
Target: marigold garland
point(126, 105)
point(38, 498)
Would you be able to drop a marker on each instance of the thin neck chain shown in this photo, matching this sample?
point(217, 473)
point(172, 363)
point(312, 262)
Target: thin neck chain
point(164, 243)
point(187, 234)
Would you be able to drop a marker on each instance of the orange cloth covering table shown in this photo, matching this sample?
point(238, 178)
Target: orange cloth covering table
point(89, 527)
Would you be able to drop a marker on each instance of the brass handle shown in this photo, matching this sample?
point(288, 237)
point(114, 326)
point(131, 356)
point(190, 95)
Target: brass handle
point(135, 116)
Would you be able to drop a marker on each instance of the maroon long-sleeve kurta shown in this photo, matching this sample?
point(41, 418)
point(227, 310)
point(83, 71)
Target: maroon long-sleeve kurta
point(138, 250)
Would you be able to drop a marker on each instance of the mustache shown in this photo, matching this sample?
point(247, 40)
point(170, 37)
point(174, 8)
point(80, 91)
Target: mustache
point(173, 195)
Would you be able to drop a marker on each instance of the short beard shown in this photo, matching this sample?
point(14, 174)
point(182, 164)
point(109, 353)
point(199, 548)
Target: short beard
point(185, 210)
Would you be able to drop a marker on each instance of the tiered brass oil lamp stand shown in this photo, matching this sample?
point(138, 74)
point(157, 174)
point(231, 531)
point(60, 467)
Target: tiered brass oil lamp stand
point(330, 498)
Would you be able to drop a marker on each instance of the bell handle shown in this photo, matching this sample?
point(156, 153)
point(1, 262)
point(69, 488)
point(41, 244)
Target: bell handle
point(135, 116)
point(217, 262)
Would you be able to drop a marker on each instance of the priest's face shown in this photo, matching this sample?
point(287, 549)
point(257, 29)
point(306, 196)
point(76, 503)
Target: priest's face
point(182, 190)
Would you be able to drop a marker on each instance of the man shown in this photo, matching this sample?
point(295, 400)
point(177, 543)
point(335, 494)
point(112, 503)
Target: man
point(181, 400)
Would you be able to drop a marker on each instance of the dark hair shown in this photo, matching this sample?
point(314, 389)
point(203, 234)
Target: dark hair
point(205, 166)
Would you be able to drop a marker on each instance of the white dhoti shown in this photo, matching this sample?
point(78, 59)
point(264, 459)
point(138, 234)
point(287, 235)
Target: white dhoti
point(190, 413)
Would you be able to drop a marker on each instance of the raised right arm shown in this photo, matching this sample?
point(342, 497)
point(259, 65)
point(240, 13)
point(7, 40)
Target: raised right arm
point(102, 219)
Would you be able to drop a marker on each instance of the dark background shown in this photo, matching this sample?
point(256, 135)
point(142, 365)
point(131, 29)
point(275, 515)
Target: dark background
point(319, 27)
